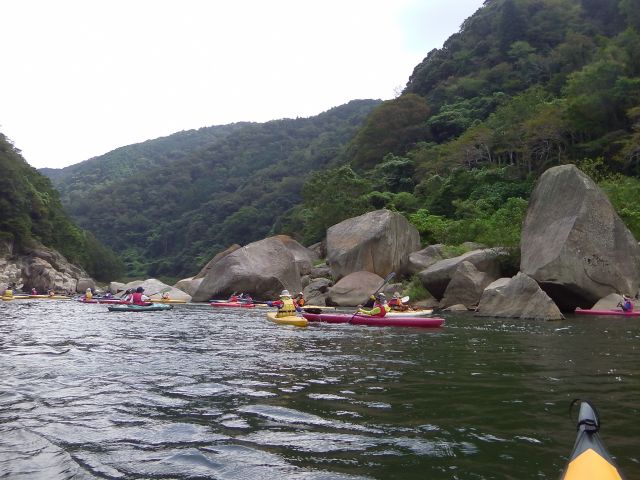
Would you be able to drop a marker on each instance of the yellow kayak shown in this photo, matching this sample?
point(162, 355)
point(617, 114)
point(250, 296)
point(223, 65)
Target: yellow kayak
point(292, 320)
point(589, 459)
point(50, 297)
point(8, 298)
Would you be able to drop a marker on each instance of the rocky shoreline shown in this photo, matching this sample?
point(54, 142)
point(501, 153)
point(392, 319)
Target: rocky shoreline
point(575, 251)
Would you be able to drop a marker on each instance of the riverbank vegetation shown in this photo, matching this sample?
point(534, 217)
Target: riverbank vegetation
point(31, 211)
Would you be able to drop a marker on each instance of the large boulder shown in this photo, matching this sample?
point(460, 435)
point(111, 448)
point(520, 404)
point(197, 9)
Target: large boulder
point(354, 289)
point(84, 283)
point(466, 286)
point(423, 259)
point(304, 257)
point(317, 291)
point(188, 285)
point(203, 273)
point(610, 302)
point(436, 278)
point(155, 288)
point(116, 287)
point(263, 269)
point(573, 242)
point(518, 297)
point(378, 242)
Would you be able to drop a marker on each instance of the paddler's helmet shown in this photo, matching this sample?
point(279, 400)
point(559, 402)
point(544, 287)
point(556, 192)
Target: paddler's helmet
point(139, 290)
point(396, 295)
point(381, 297)
point(285, 293)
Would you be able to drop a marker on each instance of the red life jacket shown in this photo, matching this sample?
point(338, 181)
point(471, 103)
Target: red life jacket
point(136, 299)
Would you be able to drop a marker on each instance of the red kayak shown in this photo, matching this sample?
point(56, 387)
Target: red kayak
point(633, 313)
point(422, 322)
point(232, 304)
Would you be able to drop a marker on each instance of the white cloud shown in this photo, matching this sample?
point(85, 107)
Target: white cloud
point(83, 77)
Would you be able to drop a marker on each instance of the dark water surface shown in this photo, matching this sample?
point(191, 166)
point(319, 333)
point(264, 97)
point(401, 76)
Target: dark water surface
point(202, 393)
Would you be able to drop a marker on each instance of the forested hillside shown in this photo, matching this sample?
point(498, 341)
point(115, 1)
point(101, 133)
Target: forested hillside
point(524, 85)
point(168, 217)
point(30, 210)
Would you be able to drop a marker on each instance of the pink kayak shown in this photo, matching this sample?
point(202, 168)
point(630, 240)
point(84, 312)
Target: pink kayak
point(232, 304)
point(618, 312)
point(422, 322)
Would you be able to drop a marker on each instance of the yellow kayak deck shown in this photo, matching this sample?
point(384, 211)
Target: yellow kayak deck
point(292, 320)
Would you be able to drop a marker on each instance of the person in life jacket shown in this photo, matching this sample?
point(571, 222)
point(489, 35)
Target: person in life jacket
point(299, 300)
point(380, 307)
point(626, 303)
point(139, 298)
point(286, 305)
point(396, 303)
point(233, 297)
point(88, 295)
point(34, 291)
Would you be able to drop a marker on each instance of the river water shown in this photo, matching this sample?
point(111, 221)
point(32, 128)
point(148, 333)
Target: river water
point(202, 393)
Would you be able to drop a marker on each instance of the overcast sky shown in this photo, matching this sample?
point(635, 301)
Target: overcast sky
point(83, 77)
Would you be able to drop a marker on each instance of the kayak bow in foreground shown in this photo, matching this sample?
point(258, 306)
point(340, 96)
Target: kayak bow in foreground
point(589, 459)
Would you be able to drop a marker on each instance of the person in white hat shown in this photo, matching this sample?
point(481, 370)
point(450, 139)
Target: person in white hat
point(286, 305)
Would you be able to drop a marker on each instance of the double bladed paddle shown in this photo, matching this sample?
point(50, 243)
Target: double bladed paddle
point(387, 279)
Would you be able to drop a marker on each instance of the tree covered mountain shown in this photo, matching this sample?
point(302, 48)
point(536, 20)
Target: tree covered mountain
point(168, 205)
point(523, 86)
point(30, 210)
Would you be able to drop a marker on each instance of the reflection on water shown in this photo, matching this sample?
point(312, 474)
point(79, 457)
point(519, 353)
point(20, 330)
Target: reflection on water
point(203, 393)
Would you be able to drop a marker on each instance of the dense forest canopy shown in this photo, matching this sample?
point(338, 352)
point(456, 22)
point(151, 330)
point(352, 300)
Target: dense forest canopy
point(30, 211)
point(225, 185)
point(523, 86)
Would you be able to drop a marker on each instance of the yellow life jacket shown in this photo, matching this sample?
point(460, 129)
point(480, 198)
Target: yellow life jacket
point(8, 293)
point(288, 308)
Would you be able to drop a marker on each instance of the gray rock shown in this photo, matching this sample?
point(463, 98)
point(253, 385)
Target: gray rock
point(320, 271)
point(304, 257)
point(84, 283)
point(116, 287)
point(573, 242)
point(354, 289)
point(203, 273)
point(466, 286)
point(519, 297)
point(317, 291)
point(188, 285)
point(155, 288)
point(378, 242)
point(609, 302)
point(39, 267)
point(320, 249)
point(423, 259)
point(458, 307)
point(436, 278)
point(263, 269)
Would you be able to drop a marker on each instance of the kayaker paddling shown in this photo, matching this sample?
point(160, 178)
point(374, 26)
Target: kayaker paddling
point(380, 307)
point(626, 304)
